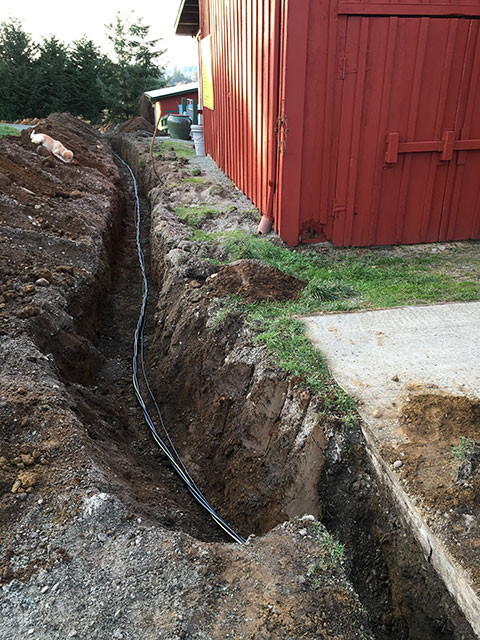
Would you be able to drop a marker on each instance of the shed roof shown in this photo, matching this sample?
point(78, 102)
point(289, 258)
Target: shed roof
point(188, 18)
point(178, 89)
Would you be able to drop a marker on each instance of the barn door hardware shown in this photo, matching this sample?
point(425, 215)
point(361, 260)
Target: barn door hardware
point(446, 146)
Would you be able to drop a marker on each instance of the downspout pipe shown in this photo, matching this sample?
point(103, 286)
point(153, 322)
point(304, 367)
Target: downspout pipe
point(267, 220)
point(264, 226)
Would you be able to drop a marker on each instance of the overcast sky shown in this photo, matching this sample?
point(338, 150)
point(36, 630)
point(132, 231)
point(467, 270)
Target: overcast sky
point(69, 21)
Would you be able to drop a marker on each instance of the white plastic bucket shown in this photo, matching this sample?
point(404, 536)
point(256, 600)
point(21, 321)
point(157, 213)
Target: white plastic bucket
point(197, 134)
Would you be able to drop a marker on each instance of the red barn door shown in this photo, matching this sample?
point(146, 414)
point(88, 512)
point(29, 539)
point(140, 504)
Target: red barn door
point(407, 136)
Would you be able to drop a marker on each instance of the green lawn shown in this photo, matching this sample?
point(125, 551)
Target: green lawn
point(344, 280)
point(7, 130)
point(181, 148)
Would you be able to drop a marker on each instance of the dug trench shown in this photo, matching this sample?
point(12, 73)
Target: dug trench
point(103, 540)
point(274, 459)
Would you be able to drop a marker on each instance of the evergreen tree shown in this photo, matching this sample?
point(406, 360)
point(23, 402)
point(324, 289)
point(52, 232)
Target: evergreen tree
point(17, 98)
point(38, 80)
point(51, 77)
point(182, 76)
point(135, 68)
point(87, 73)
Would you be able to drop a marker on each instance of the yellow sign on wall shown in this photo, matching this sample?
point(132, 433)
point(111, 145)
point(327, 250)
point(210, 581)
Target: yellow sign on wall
point(207, 75)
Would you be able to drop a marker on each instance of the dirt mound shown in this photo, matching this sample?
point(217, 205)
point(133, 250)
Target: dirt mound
point(48, 218)
point(135, 124)
point(255, 280)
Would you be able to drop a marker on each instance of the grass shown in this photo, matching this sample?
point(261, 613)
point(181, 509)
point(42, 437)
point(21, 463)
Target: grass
point(194, 216)
point(465, 457)
point(369, 280)
point(7, 130)
point(181, 148)
point(337, 280)
point(218, 318)
point(195, 180)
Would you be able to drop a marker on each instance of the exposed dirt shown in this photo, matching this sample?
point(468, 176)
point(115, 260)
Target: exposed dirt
point(98, 538)
point(246, 419)
point(254, 280)
point(433, 425)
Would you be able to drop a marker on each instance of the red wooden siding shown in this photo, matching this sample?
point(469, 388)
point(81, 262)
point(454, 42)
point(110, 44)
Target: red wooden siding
point(419, 92)
point(240, 132)
point(355, 122)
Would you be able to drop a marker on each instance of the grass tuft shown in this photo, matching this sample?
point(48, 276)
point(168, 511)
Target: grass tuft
point(181, 148)
point(465, 455)
point(195, 180)
point(7, 130)
point(194, 216)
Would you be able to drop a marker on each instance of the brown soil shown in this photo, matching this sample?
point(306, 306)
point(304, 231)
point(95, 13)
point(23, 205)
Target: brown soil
point(432, 424)
point(136, 124)
point(99, 538)
point(254, 280)
point(241, 420)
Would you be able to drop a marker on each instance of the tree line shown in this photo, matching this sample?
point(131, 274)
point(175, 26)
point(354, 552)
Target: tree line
point(39, 79)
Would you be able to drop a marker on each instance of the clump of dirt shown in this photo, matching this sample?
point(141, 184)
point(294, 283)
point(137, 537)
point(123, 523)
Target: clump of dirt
point(135, 124)
point(254, 280)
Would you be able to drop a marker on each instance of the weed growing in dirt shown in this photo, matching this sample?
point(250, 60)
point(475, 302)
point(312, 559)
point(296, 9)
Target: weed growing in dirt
point(195, 180)
point(171, 186)
point(231, 305)
point(465, 458)
point(327, 561)
point(6, 130)
point(194, 216)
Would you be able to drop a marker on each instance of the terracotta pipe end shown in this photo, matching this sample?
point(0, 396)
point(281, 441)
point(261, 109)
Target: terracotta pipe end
point(264, 226)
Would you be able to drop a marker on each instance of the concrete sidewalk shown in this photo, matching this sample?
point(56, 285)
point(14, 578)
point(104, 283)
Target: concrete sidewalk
point(379, 356)
point(382, 358)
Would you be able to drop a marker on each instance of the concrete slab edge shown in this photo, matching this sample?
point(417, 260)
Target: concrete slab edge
point(452, 575)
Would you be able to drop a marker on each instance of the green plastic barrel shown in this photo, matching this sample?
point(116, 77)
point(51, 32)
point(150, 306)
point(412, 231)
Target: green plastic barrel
point(179, 126)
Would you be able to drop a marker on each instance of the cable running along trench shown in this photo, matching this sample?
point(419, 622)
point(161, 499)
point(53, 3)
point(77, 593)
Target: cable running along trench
point(165, 444)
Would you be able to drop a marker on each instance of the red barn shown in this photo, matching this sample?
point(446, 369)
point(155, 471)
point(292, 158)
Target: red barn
point(351, 121)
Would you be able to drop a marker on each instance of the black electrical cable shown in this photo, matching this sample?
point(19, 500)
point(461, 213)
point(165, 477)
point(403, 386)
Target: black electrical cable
point(138, 355)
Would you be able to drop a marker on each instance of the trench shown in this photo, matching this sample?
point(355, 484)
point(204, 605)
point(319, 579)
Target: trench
point(256, 476)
